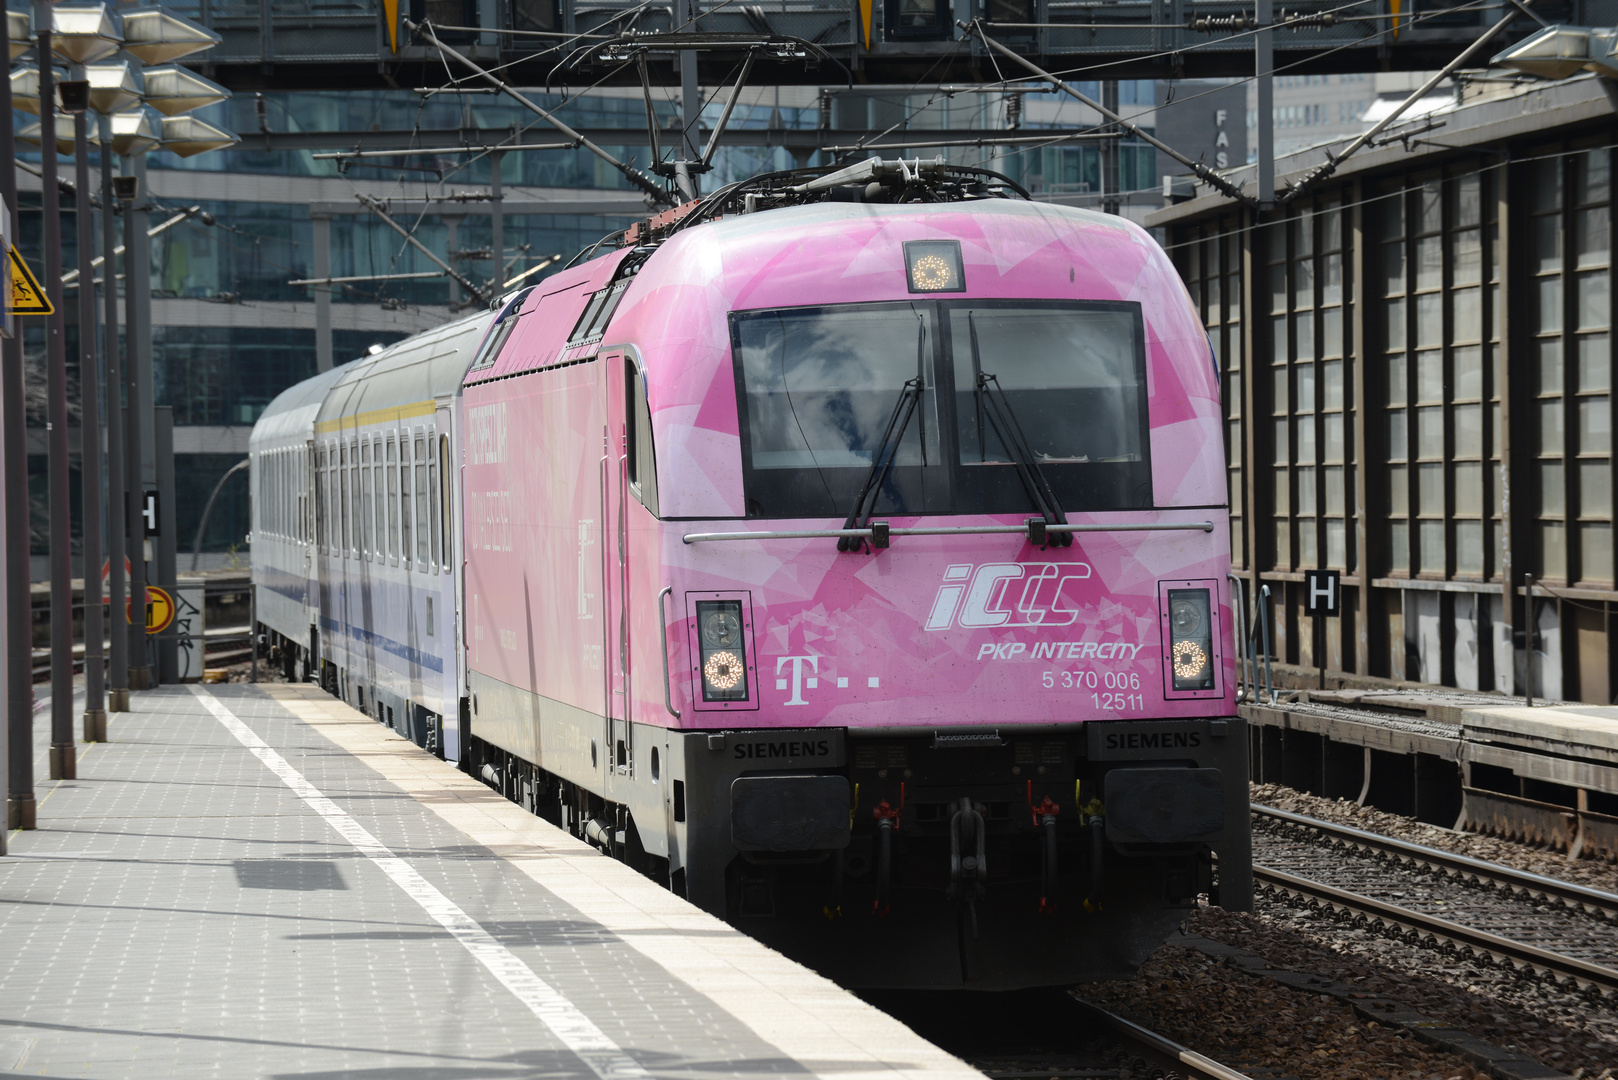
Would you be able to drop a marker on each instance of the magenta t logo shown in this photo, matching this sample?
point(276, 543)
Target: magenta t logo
point(797, 663)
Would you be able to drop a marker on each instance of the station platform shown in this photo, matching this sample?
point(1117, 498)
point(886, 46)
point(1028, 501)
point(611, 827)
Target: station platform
point(259, 881)
point(1546, 774)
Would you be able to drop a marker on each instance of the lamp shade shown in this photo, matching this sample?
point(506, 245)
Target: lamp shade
point(1555, 52)
point(135, 131)
point(25, 89)
point(64, 135)
point(85, 33)
point(188, 136)
point(114, 86)
point(21, 31)
point(174, 90)
point(155, 36)
point(1601, 61)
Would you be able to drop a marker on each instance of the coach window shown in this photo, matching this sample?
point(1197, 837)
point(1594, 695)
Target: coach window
point(393, 503)
point(368, 507)
point(356, 505)
point(342, 499)
point(320, 493)
point(432, 496)
point(404, 500)
point(443, 497)
point(379, 516)
point(640, 457)
point(422, 527)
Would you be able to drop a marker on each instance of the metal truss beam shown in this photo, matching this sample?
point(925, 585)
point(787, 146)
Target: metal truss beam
point(1126, 39)
point(803, 140)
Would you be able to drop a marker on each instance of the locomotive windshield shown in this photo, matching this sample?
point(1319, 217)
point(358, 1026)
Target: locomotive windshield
point(817, 387)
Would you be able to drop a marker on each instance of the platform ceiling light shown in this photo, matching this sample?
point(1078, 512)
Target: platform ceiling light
point(1556, 52)
point(188, 136)
point(114, 86)
point(64, 137)
point(135, 131)
point(25, 89)
point(174, 90)
point(85, 33)
point(21, 31)
point(155, 36)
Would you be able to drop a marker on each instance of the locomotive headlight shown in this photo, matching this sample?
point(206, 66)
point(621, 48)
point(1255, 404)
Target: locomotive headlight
point(1191, 638)
point(723, 650)
point(723, 670)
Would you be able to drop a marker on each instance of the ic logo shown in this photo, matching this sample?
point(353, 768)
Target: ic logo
point(983, 599)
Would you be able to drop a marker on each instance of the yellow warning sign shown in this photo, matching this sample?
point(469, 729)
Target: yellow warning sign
point(159, 610)
point(27, 298)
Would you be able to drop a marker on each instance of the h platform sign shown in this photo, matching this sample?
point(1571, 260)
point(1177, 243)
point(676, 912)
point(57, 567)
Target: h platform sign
point(1322, 592)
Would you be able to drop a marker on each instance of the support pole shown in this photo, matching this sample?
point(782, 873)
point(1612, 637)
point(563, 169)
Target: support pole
point(452, 240)
point(1264, 69)
point(135, 322)
point(18, 614)
point(165, 646)
point(1530, 632)
point(95, 703)
point(690, 94)
point(497, 224)
point(63, 749)
point(1111, 194)
point(322, 245)
point(117, 500)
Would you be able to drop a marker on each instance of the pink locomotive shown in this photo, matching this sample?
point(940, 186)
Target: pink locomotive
point(847, 551)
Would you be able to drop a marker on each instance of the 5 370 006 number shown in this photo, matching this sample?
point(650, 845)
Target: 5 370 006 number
point(1090, 680)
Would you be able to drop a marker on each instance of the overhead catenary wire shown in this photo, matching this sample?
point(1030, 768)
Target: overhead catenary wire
point(1329, 166)
point(1203, 173)
point(635, 176)
point(1012, 84)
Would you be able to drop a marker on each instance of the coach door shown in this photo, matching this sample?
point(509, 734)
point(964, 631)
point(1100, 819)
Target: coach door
point(615, 565)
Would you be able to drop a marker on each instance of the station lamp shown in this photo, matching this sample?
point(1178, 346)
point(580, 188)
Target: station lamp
point(18, 25)
point(1560, 52)
point(85, 34)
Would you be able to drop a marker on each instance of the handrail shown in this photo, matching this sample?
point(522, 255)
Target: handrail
point(1264, 627)
point(1237, 594)
point(881, 529)
point(663, 651)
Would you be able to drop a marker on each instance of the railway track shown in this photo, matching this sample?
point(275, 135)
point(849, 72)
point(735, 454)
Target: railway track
point(1555, 929)
point(1045, 1035)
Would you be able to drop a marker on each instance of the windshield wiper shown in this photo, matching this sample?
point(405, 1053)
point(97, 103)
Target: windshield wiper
point(887, 451)
point(996, 409)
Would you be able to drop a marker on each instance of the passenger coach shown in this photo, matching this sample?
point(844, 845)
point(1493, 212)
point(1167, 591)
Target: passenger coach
point(847, 551)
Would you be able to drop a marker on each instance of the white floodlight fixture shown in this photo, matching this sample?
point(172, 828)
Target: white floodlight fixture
point(155, 36)
point(1602, 61)
point(85, 33)
point(21, 30)
point(114, 86)
point(1555, 52)
point(135, 131)
point(188, 136)
point(174, 90)
point(25, 89)
point(64, 137)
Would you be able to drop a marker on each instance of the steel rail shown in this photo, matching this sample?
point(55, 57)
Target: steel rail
point(1516, 953)
point(945, 530)
point(1167, 1052)
point(1593, 900)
